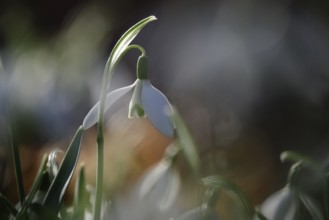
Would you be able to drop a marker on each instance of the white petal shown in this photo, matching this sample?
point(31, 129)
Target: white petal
point(152, 177)
point(280, 206)
point(92, 116)
point(156, 106)
point(173, 186)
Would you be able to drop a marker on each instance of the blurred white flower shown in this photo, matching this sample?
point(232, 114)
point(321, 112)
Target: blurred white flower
point(160, 185)
point(282, 205)
point(146, 101)
point(202, 212)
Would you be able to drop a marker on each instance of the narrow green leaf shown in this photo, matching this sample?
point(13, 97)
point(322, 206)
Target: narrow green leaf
point(59, 185)
point(7, 204)
point(2, 72)
point(80, 195)
point(326, 195)
point(18, 168)
point(186, 143)
point(218, 182)
point(125, 40)
point(36, 185)
point(13, 144)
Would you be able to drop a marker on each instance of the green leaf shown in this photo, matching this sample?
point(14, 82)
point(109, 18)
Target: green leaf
point(80, 195)
point(7, 204)
point(218, 182)
point(59, 185)
point(122, 44)
point(36, 185)
point(17, 165)
point(326, 195)
point(186, 143)
point(2, 72)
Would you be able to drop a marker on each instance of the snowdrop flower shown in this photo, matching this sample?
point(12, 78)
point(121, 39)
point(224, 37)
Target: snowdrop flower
point(161, 183)
point(282, 205)
point(202, 212)
point(147, 101)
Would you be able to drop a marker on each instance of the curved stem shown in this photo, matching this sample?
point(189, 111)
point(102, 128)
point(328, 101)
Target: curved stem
point(136, 46)
point(293, 173)
point(108, 72)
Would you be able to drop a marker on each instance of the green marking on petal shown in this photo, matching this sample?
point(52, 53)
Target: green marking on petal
point(136, 111)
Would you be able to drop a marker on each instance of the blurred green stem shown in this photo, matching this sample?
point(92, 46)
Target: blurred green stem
point(35, 187)
point(326, 195)
point(18, 168)
point(120, 48)
point(108, 72)
point(14, 146)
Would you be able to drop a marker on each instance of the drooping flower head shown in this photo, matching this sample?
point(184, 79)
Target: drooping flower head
point(147, 101)
point(161, 183)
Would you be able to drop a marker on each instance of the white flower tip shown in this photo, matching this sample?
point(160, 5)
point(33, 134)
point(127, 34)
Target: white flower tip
point(91, 118)
point(152, 177)
point(172, 191)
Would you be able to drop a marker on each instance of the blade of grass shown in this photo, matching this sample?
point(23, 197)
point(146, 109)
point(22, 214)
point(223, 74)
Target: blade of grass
point(54, 196)
point(80, 195)
point(13, 145)
point(326, 196)
point(17, 167)
point(36, 185)
point(7, 204)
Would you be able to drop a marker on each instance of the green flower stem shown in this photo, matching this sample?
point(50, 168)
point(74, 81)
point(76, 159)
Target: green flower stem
point(121, 47)
point(142, 67)
point(217, 183)
point(14, 148)
point(296, 157)
point(293, 174)
point(18, 167)
point(211, 198)
point(108, 72)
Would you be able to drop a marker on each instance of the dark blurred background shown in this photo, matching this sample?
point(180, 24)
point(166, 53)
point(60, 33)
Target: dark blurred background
point(250, 77)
